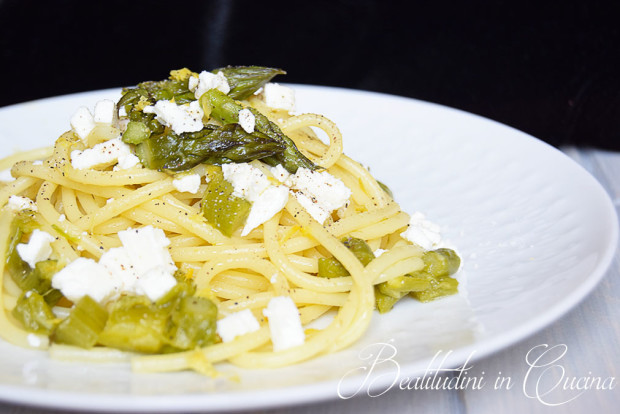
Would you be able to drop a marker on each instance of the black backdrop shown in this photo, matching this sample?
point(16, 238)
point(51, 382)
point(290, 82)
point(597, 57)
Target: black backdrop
point(550, 69)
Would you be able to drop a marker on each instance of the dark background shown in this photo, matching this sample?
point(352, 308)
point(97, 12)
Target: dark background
point(550, 69)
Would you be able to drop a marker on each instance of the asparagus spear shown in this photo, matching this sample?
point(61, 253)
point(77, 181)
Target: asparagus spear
point(226, 110)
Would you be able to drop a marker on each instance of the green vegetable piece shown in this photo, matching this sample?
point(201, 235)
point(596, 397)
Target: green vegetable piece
point(43, 273)
point(384, 303)
point(226, 110)
point(153, 91)
point(136, 132)
point(360, 249)
point(245, 80)
point(443, 286)
point(331, 267)
point(130, 98)
point(192, 323)
point(34, 313)
point(135, 324)
point(171, 299)
point(38, 279)
point(213, 144)
point(441, 262)
point(400, 286)
point(384, 289)
point(24, 222)
point(407, 283)
point(220, 207)
point(432, 282)
point(385, 188)
point(83, 325)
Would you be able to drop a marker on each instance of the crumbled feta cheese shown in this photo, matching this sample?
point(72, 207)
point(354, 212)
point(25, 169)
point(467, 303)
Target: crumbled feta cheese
point(252, 184)
point(19, 203)
point(37, 249)
point(319, 193)
point(280, 173)
point(105, 112)
point(279, 97)
point(141, 266)
point(247, 120)
point(284, 323)
point(62, 218)
point(379, 252)
point(83, 277)
point(147, 248)
point(82, 122)
point(119, 265)
point(248, 181)
point(187, 183)
point(192, 82)
point(207, 81)
point(181, 118)
point(105, 153)
point(312, 207)
point(155, 283)
point(5, 175)
point(272, 200)
point(237, 324)
point(422, 232)
point(127, 161)
point(33, 340)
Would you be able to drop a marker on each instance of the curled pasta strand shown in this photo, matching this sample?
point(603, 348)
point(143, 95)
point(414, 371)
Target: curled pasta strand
point(334, 150)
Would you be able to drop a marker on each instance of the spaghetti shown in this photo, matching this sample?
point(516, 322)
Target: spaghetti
point(323, 268)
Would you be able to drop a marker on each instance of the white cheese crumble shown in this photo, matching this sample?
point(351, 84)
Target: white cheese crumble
point(280, 173)
point(422, 232)
point(84, 277)
point(82, 122)
point(19, 203)
point(206, 81)
point(379, 252)
point(319, 193)
point(284, 323)
point(189, 183)
point(5, 175)
point(62, 218)
point(109, 152)
point(181, 118)
point(105, 112)
point(37, 249)
point(252, 184)
point(237, 324)
point(247, 120)
point(34, 340)
point(147, 249)
point(142, 266)
point(279, 97)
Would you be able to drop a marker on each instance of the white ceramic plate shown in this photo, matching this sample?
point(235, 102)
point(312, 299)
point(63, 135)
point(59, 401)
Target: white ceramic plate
point(535, 231)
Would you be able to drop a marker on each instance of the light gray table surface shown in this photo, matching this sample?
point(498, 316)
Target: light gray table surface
point(589, 334)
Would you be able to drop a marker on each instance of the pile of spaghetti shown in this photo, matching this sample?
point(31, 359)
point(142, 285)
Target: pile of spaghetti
point(197, 220)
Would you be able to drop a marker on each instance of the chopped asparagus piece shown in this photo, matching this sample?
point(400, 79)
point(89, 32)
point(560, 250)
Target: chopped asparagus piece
point(83, 325)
